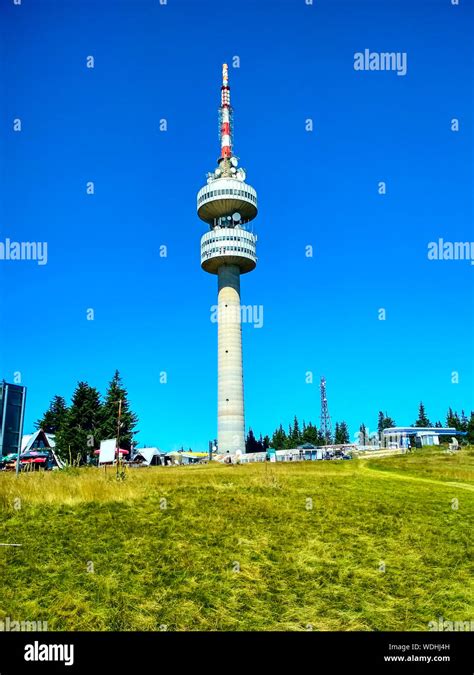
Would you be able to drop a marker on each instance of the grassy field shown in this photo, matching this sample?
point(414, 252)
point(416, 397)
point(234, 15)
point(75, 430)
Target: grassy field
point(380, 544)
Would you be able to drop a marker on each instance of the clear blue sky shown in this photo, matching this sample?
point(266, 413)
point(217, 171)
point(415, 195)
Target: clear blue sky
point(320, 189)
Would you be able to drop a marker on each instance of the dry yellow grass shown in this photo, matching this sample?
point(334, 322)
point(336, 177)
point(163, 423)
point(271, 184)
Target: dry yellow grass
point(239, 548)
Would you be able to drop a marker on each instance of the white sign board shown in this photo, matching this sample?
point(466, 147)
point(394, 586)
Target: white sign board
point(107, 450)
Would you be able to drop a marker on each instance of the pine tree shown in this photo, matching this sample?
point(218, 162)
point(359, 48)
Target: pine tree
point(266, 442)
point(363, 434)
point(380, 426)
point(422, 420)
point(384, 422)
point(470, 429)
point(295, 436)
point(80, 432)
point(389, 422)
point(464, 422)
point(251, 443)
point(322, 439)
point(311, 435)
point(451, 418)
point(344, 432)
point(54, 417)
point(341, 433)
point(279, 438)
point(115, 393)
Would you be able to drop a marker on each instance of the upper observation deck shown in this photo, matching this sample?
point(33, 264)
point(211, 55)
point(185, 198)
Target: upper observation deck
point(224, 197)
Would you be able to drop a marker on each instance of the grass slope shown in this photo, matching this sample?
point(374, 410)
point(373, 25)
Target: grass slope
point(239, 548)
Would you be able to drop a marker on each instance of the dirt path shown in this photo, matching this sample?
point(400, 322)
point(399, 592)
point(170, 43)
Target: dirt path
point(394, 474)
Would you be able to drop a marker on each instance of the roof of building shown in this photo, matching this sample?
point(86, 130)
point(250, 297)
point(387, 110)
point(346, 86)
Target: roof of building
point(147, 453)
point(28, 440)
point(435, 431)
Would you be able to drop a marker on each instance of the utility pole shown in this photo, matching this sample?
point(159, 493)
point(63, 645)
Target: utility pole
point(119, 424)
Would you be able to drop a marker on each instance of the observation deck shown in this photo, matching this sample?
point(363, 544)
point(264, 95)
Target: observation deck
point(224, 197)
point(228, 246)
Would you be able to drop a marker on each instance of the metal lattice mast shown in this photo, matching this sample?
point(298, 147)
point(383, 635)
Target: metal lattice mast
point(326, 427)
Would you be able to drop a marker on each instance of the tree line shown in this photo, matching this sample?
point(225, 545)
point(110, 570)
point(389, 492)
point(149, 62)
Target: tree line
point(80, 427)
point(296, 435)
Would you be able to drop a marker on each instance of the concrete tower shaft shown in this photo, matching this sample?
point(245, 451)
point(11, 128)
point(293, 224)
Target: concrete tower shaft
point(228, 249)
point(230, 387)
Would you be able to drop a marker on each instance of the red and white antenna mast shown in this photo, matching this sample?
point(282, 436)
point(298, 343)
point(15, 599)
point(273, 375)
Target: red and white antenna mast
point(225, 116)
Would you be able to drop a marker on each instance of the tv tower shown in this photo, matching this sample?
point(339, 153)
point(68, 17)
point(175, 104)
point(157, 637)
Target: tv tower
point(326, 427)
point(227, 204)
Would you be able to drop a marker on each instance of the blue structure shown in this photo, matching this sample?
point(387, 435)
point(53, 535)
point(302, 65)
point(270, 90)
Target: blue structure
point(12, 412)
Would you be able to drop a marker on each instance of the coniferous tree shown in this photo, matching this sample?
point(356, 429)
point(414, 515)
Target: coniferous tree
point(452, 418)
point(384, 422)
point(343, 433)
point(336, 433)
point(464, 422)
point(470, 429)
point(363, 434)
point(422, 420)
point(266, 442)
point(311, 435)
point(80, 432)
point(323, 439)
point(295, 435)
point(279, 438)
point(54, 417)
point(380, 421)
point(251, 443)
point(115, 393)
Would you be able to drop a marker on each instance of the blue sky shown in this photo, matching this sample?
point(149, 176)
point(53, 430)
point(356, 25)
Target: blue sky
point(318, 188)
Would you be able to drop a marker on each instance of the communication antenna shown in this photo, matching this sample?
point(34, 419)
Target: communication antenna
point(326, 427)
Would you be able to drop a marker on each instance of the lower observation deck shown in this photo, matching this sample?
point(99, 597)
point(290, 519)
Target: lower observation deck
point(228, 246)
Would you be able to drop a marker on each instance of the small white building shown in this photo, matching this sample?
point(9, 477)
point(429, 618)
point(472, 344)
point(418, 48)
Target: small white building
point(416, 437)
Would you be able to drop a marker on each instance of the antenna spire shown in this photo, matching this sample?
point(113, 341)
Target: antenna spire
point(225, 116)
point(326, 427)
